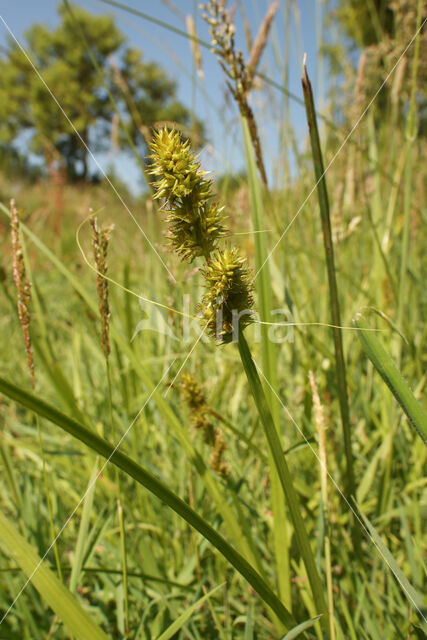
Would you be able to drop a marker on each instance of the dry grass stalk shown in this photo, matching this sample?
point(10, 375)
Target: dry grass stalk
point(195, 47)
point(232, 62)
point(100, 240)
point(398, 81)
point(23, 286)
point(321, 433)
point(358, 89)
point(115, 133)
point(247, 27)
point(120, 81)
point(261, 39)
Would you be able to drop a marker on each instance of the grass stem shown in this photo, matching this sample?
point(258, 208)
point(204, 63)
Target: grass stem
point(333, 290)
point(285, 478)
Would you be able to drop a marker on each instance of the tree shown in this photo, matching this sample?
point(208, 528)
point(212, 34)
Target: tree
point(65, 59)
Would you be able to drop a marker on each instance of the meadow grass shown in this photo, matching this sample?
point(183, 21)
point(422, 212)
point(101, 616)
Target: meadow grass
point(281, 538)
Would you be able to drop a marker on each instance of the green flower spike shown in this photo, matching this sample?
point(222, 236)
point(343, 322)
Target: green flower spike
point(178, 171)
point(227, 303)
point(195, 225)
point(194, 232)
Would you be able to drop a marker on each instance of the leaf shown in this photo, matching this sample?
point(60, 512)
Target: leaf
point(150, 482)
point(62, 602)
point(297, 631)
point(82, 537)
point(415, 599)
point(263, 282)
point(392, 377)
point(179, 622)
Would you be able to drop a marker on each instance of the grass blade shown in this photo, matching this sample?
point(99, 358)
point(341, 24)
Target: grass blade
point(82, 537)
point(269, 361)
point(392, 377)
point(298, 630)
point(413, 596)
point(333, 290)
point(179, 622)
point(63, 603)
point(150, 482)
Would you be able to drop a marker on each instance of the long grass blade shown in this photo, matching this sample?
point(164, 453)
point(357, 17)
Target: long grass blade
point(155, 486)
point(412, 594)
point(63, 603)
point(319, 173)
point(269, 360)
point(182, 619)
point(297, 631)
point(392, 377)
point(82, 537)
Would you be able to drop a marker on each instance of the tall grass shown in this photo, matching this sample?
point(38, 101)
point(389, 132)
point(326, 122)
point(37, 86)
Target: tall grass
point(265, 551)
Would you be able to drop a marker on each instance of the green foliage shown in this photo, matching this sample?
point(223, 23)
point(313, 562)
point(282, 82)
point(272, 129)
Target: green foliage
point(61, 56)
point(243, 537)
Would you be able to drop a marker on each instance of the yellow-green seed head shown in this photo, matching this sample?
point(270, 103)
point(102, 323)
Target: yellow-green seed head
point(192, 392)
point(177, 170)
point(227, 303)
point(195, 224)
point(195, 231)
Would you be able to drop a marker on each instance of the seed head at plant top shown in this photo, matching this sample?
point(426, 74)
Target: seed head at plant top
point(240, 75)
point(176, 166)
point(195, 227)
point(100, 240)
point(23, 286)
point(194, 223)
point(227, 303)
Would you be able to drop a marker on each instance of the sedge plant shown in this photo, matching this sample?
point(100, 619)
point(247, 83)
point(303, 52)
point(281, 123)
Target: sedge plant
point(196, 228)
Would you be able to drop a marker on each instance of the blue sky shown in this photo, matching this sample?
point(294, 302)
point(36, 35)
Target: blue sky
point(207, 95)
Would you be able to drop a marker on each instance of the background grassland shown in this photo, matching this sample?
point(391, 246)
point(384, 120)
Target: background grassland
point(376, 194)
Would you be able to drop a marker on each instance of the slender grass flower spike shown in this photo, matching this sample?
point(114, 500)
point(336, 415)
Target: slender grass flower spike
point(100, 240)
point(23, 286)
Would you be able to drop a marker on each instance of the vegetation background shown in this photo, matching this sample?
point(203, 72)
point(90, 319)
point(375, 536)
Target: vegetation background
point(126, 565)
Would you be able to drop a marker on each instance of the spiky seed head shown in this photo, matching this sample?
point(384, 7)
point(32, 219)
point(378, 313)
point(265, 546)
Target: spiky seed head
point(227, 302)
point(193, 395)
point(216, 460)
point(194, 223)
point(192, 392)
point(176, 167)
point(195, 231)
